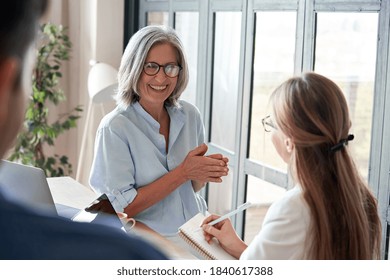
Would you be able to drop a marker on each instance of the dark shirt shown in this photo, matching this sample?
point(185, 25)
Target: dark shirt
point(26, 234)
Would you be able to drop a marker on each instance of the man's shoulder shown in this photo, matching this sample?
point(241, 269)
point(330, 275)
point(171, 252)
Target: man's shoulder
point(30, 235)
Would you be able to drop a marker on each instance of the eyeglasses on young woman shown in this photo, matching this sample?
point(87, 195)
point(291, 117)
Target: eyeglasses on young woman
point(268, 124)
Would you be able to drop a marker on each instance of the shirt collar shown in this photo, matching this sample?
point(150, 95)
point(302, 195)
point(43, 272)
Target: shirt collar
point(145, 115)
point(176, 115)
point(178, 120)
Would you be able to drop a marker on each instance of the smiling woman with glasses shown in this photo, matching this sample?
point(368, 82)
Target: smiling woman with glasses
point(149, 152)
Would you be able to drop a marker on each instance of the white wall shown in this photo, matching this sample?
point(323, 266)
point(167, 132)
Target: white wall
point(96, 31)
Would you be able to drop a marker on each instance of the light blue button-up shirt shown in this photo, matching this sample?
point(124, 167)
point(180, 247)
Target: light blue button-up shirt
point(130, 153)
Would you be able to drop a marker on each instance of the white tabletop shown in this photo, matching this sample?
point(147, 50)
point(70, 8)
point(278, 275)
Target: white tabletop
point(70, 196)
point(67, 191)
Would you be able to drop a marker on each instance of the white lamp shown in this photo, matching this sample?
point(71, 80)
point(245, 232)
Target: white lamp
point(102, 83)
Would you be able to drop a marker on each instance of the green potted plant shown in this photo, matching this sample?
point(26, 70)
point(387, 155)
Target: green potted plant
point(38, 132)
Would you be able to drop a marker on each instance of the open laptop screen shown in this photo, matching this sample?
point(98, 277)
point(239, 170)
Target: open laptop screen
point(26, 185)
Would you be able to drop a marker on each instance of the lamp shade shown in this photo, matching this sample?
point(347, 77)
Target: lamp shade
point(102, 82)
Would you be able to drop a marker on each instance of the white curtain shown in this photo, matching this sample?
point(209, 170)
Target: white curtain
point(96, 32)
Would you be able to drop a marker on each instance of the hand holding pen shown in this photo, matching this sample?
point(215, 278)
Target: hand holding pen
point(222, 229)
point(228, 215)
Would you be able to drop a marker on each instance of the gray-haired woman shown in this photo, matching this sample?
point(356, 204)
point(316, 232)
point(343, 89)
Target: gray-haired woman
point(150, 152)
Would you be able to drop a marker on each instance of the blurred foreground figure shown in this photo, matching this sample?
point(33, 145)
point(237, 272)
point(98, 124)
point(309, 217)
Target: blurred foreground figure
point(26, 234)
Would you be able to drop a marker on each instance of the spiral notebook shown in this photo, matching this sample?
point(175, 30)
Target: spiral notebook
point(188, 232)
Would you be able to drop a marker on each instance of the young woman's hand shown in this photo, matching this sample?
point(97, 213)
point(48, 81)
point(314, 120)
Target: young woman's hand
point(225, 234)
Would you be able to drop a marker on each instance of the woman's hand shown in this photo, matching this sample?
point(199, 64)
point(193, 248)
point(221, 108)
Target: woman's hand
point(202, 169)
point(196, 167)
point(198, 185)
point(225, 234)
point(101, 206)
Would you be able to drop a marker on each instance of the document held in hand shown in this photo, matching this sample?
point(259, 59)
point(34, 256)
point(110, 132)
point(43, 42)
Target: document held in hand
point(189, 233)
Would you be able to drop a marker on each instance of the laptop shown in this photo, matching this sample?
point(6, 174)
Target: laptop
point(26, 185)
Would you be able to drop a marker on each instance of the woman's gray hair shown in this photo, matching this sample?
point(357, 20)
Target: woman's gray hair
point(133, 61)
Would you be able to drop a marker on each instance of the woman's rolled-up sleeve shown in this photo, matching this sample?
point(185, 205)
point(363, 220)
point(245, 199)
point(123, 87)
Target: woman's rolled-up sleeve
point(112, 169)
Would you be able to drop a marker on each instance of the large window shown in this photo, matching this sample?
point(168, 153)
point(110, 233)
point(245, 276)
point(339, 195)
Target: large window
point(187, 26)
point(226, 68)
point(274, 48)
point(273, 63)
point(225, 92)
point(346, 48)
point(157, 18)
point(239, 50)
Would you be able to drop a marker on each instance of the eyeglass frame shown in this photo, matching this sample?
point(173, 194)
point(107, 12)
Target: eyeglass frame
point(267, 123)
point(163, 67)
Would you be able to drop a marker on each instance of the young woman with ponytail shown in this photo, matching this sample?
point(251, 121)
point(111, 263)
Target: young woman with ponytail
point(330, 213)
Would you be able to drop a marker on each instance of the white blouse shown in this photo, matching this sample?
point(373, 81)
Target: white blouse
point(284, 232)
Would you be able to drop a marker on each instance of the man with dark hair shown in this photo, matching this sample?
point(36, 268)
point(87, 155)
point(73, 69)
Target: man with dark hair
point(24, 233)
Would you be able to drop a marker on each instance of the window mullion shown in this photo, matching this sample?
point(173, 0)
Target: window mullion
point(308, 36)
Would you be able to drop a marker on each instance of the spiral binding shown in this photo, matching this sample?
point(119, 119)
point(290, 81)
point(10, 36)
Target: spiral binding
point(207, 255)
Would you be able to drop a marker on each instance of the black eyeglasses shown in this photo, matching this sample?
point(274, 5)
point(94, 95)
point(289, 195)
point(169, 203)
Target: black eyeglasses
point(171, 70)
point(268, 124)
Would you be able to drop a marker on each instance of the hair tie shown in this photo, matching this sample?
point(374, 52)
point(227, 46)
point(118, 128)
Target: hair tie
point(342, 143)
